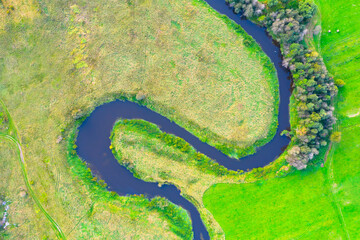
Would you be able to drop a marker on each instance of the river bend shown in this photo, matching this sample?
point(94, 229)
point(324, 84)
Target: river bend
point(93, 139)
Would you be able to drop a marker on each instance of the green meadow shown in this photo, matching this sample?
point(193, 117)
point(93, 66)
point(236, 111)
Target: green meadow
point(294, 207)
point(320, 203)
point(341, 56)
point(340, 50)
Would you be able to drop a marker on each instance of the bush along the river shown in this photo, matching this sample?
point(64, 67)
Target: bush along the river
point(314, 89)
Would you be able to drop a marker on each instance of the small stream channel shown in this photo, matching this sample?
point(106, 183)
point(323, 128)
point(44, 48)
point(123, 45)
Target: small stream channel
point(93, 139)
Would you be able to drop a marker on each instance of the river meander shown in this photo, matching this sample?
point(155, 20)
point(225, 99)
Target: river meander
point(93, 139)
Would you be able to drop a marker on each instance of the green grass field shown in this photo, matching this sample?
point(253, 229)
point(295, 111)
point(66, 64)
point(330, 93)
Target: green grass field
point(315, 204)
point(60, 59)
point(341, 50)
point(341, 56)
point(294, 207)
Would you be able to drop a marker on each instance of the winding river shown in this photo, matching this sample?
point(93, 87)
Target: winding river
point(93, 139)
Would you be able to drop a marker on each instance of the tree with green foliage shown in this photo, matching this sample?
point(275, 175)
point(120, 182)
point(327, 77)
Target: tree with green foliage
point(314, 89)
point(307, 8)
point(273, 3)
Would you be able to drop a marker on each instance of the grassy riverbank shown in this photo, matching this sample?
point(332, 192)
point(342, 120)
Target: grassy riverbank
point(155, 156)
point(321, 203)
point(60, 59)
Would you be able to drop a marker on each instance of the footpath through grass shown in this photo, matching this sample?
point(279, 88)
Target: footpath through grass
point(60, 59)
point(314, 204)
point(21, 208)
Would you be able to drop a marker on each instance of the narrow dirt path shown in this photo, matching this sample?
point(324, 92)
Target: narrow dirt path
point(60, 234)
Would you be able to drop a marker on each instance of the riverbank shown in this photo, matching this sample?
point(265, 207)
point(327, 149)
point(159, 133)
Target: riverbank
point(169, 219)
point(155, 156)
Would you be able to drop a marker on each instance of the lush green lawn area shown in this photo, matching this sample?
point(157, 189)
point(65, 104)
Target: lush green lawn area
point(60, 59)
point(341, 55)
point(299, 206)
point(345, 176)
point(341, 50)
point(320, 204)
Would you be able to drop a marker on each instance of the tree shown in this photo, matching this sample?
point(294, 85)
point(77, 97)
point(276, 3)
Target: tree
point(249, 12)
point(273, 3)
point(307, 9)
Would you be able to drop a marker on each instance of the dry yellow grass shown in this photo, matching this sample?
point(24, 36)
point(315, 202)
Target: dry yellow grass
point(56, 66)
point(22, 210)
point(17, 11)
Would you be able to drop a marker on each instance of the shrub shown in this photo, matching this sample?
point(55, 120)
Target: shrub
point(335, 137)
point(339, 82)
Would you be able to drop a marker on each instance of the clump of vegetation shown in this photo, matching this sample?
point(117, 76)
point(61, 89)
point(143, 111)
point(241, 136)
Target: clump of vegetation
point(140, 96)
point(4, 121)
point(339, 82)
point(4, 222)
point(249, 8)
point(314, 89)
point(335, 137)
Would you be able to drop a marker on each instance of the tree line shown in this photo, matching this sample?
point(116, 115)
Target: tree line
point(314, 89)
